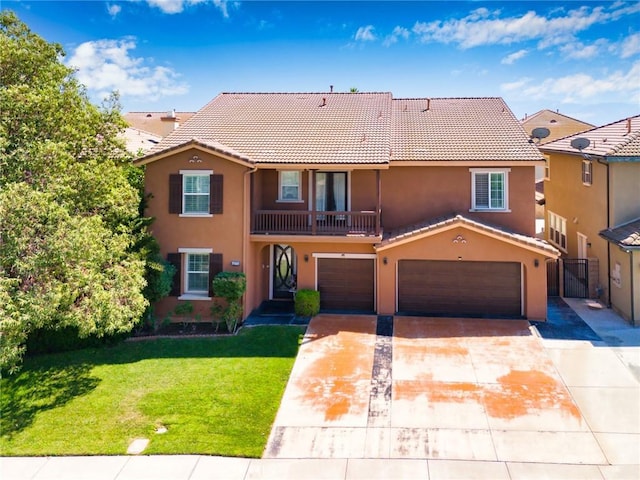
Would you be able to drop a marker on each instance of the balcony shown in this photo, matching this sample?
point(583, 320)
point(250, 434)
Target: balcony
point(281, 222)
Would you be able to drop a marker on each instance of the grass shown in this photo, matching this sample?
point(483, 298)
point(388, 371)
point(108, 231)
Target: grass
point(215, 396)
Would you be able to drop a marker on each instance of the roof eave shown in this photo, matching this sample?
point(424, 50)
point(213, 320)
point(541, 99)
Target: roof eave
point(192, 144)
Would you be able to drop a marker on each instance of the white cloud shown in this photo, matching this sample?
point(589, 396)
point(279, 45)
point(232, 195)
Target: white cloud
point(398, 32)
point(630, 46)
point(106, 65)
point(513, 57)
point(365, 34)
point(114, 10)
point(517, 85)
point(579, 51)
point(177, 6)
point(581, 87)
point(484, 27)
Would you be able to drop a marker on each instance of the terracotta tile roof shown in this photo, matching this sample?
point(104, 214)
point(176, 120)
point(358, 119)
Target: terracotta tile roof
point(626, 236)
point(139, 140)
point(616, 141)
point(357, 128)
point(464, 129)
point(158, 123)
point(409, 232)
point(313, 128)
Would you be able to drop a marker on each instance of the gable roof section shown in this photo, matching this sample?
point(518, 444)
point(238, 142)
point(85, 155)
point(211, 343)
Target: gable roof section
point(617, 141)
point(458, 129)
point(559, 125)
point(294, 128)
point(426, 229)
point(203, 145)
point(626, 236)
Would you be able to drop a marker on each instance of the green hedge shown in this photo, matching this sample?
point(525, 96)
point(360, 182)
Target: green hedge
point(307, 302)
point(65, 339)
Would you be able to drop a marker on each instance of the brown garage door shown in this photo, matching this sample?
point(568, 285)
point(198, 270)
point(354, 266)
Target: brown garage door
point(479, 289)
point(346, 284)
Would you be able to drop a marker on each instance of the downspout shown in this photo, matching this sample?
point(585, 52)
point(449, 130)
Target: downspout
point(606, 164)
point(246, 224)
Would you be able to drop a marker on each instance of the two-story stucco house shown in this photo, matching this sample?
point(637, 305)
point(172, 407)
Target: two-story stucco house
point(593, 208)
point(384, 205)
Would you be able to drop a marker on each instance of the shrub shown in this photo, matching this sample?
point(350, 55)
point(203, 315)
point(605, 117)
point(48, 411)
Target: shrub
point(307, 302)
point(230, 286)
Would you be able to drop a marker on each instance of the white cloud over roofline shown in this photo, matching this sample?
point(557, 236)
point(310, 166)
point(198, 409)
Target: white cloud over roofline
point(106, 65)
point(580, 87)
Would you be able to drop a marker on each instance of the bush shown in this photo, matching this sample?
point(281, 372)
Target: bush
point(229, 286)
point(307, 303)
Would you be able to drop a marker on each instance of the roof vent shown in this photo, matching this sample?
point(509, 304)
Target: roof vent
point(330, 88)
point(628, 126)
point(428, 105)
point(324, 102)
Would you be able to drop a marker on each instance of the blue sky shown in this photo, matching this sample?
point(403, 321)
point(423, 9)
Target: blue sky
point(579, 57)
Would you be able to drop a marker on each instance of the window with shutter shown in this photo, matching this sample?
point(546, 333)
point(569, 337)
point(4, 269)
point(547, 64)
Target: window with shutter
point(489, 189)
point(195, 193)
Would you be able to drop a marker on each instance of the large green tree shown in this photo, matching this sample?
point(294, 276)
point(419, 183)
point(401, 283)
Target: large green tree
point(70, 231)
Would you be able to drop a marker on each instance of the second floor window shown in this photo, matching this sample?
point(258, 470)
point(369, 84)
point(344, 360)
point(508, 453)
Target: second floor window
point(489, 190)
point(558, 230)
point(587, 172)
point(289, 182)
point(195, 194)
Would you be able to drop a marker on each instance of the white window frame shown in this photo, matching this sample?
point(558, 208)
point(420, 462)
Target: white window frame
point(558, 229)
point(195, 173)
point(587, 172)
point(193, 294)
point(505, 198)
point(547, 168)
point(281, 185)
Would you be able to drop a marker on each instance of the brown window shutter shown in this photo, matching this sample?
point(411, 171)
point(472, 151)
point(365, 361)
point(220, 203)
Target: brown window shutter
point(175, 259)
point(215, 267)
point(175, 193)
point(215, 196)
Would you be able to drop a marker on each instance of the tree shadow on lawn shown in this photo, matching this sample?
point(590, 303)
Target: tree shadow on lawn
point(49, 381)
point(34, 390)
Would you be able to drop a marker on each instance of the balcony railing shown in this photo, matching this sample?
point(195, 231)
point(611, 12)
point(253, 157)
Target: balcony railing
point(279, 222)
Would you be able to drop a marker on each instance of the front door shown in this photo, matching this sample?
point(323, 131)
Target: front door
point(284, 271)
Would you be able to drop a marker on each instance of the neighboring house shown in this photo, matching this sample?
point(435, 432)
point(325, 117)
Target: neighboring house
point(593, 207)
point(558, 126)
point(157, 123)
point(418, 206)
point(139, 141)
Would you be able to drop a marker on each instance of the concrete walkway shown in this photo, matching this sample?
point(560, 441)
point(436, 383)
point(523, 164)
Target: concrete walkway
point(595, 432)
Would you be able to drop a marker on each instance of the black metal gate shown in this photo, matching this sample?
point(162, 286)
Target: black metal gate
point(576, 277)
point(553, 278)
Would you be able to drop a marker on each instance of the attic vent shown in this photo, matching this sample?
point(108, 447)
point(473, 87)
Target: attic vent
point(553, 120)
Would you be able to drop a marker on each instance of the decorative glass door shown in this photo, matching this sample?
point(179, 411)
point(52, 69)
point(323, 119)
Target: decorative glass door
point(284, 271)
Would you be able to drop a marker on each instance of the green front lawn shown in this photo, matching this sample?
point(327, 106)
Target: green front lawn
point(215, 396)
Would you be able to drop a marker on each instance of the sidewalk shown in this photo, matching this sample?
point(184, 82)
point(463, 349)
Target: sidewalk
point(601, 373)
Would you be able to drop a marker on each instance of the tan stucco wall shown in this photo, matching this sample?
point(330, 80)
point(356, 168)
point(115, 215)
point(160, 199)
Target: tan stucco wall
point(478, 247)
point(223, 233)
point(625, 188)
point(584, 207)
point(411, 195)
point(625, 293)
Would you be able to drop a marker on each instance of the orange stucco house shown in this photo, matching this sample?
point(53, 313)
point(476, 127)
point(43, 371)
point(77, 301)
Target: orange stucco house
point(415, 206)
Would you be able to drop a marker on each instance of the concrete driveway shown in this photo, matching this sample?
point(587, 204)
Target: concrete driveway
point(455, 389)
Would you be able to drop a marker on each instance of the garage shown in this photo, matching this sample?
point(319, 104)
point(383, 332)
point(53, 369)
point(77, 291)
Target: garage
point(346, 284)
point(460, 288)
